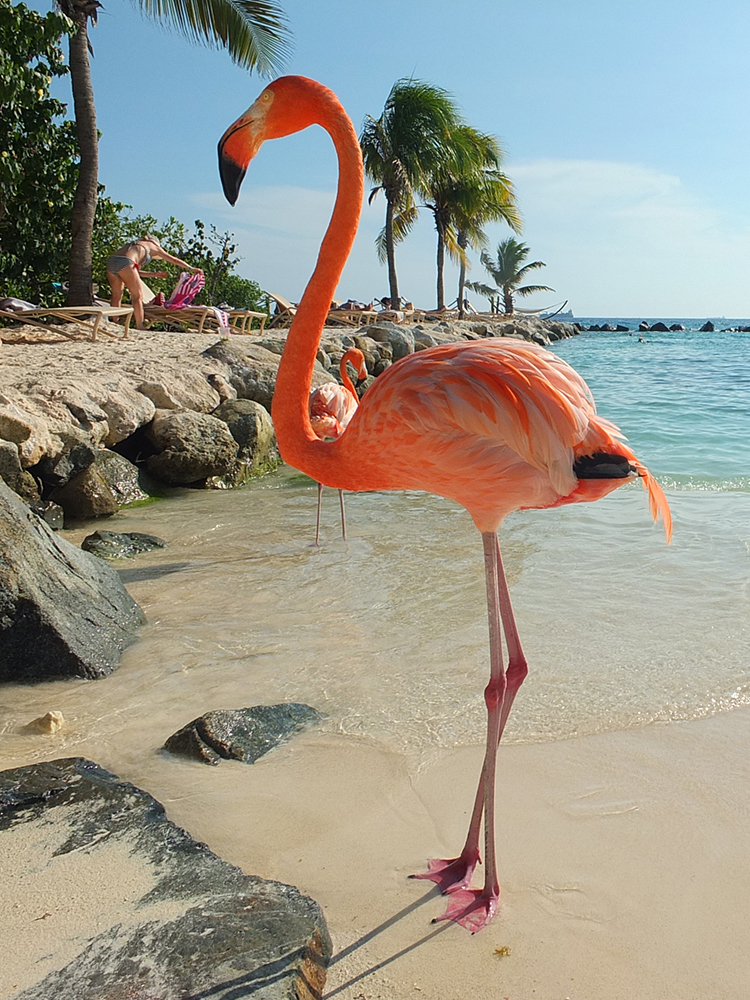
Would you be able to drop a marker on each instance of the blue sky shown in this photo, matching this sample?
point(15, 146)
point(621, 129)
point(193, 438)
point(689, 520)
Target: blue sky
point(625, 126)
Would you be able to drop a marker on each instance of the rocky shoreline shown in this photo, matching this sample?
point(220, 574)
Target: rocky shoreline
point(94, 426)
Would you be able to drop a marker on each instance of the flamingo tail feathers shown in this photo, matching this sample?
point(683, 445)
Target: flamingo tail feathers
point(657, 502)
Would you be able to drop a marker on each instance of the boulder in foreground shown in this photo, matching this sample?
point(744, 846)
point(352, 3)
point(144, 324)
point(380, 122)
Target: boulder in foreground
point(240, 734)
point(154, 914)
point(63, 612)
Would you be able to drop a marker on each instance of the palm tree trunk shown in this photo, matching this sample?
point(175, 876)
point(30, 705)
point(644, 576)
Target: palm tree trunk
point(508, 301)
point(390, 249)
point(462, 241)
point(440, 268)
point(80, 292)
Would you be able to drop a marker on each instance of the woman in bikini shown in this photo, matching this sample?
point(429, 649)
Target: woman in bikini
point(124, 271)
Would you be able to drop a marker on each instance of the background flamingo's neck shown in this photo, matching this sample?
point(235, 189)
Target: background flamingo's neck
point(298, 444)
point(344, 371)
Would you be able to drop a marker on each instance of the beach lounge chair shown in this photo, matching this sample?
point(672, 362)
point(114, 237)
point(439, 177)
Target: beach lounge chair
point(198, 319)
point(285, 310)
point(80, 315)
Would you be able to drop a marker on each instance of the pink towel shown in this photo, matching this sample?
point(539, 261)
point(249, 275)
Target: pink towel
point(186, 289)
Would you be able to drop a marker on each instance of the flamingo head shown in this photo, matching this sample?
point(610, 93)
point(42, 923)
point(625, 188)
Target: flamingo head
point(287, 105)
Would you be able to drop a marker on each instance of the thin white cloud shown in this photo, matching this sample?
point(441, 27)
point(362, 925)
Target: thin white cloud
point(619, 239)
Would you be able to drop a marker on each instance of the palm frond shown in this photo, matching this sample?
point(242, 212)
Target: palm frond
point(254, 32)
point(530, 289)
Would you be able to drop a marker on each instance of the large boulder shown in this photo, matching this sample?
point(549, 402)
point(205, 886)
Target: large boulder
point(105, 485)
point(153, 914)
point(252, 369)
point(252, 429)
point(63, 612)
point(191, 447)
point(401, 339)
point(13, 473)
point(240, 734)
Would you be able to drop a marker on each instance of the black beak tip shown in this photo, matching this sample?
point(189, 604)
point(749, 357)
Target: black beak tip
point(231, 177)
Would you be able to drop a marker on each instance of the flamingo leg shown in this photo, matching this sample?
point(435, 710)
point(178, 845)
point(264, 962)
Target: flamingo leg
point(343, 513)
point(474, 908)
point(317, 520)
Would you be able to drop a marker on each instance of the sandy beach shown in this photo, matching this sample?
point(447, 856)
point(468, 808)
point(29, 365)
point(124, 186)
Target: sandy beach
point(623, 862)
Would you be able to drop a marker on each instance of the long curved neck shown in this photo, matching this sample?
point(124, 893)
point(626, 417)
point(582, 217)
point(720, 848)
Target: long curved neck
point(344, 371)
point(298, 444)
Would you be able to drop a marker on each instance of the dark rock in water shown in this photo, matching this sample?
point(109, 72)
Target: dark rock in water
point(643, 326)
point(621, 329)
point(608, 328)
point(121, 476)
point(240, 734)
point(59, 470)
point(19, 480)
point(50, 512)
point(86, 495)
point(120, 545)
point(252, 429)
point(660, 328)
point(187, 924)
point(191, 447)
point(707, 327)
point(108, 483)
point(675, 327)
point(63, 612)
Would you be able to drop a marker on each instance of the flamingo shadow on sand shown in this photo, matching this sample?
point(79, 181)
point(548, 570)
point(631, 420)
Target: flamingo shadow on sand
point(495, 425)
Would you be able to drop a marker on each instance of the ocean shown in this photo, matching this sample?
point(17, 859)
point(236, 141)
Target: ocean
point(387, 633)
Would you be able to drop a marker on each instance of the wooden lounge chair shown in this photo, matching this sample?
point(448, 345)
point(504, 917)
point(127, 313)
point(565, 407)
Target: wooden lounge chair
point(81, 315)
point(202, 319)
point(285, 310)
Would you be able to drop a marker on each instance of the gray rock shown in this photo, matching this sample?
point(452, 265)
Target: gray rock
point(120, 545)
point(252, 429)
point(251, 369)
point(191, 447)
point(121, 476)
point(660, 328)
point(401, 339)
point(675, 327)
point(202, 928)
point(50, 512)
point(707, 327)
point(63, 612)
point(19, 480)
point(61, 468)
point(643, 326)
point(240, 734)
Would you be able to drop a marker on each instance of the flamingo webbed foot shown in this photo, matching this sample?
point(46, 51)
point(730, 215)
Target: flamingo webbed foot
point(471, 908)
point(451, 875)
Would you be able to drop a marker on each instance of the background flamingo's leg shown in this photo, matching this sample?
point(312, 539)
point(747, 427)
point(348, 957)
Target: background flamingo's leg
point(343, 513)
point(317, 520)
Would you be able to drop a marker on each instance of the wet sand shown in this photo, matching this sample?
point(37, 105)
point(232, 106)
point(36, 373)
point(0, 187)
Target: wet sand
point(623, 861)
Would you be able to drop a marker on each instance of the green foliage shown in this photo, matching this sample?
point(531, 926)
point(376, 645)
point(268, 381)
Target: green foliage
point(38, 169)
point(253, 32)
point(214, 253)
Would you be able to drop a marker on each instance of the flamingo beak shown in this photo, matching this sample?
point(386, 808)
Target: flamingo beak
point(237, 147)
point(361, 374)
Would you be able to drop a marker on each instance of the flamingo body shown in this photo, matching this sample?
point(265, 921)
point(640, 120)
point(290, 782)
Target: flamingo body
point(496, 425)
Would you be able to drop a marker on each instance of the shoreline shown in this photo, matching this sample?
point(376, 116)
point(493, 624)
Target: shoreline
point(623, 861)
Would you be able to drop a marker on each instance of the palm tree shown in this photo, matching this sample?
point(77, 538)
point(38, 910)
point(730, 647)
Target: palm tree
point(508, 271)
point(466, 191)
point(253, 32)
point(400, 150)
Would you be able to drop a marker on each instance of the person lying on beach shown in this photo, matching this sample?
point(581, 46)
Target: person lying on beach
point(124, 271)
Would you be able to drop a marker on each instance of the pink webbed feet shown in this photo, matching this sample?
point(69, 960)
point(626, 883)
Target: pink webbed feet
point(471, 908)
point(450, 875)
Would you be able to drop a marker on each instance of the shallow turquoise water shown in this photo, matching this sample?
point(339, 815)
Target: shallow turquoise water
point(682, 399)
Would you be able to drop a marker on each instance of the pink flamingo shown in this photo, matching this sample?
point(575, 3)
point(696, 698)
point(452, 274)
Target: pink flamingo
point(495, 425)
point(332, 406)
